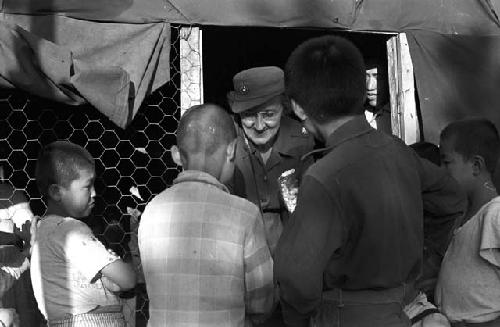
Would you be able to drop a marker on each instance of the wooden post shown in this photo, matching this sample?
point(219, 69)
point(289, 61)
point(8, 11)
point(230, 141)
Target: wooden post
point(393, 79)
point(191, 67)
point(404, 117)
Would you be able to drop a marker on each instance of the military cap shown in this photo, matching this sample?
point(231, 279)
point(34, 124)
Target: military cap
point(255, 86)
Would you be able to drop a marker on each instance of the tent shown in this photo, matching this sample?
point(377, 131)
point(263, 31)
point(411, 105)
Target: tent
point(113, 53)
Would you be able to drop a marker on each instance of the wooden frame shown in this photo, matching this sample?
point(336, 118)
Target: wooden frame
point(404, 116)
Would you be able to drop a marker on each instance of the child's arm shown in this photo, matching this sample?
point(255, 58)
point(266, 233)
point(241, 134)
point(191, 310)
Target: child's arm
point(118, 274)
point(93, 260)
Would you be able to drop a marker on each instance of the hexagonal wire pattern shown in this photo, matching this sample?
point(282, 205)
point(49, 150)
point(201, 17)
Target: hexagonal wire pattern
point(137, 156)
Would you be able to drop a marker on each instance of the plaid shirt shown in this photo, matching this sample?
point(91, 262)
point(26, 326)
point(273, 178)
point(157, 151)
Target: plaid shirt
point(204, 255)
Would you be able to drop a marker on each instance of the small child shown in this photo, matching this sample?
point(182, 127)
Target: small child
point(75, 278)
point(468, 288)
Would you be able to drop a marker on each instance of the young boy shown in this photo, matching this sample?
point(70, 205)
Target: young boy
point(75, 279)
point(468, 289)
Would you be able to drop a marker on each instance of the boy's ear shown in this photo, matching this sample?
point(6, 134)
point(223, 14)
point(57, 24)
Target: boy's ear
point(231, 150)
point(54, 192)
point(176, 155)
point(478, 165)
point(298, 110)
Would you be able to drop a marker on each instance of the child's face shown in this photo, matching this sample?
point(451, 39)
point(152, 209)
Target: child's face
point(458, 167)
point(77, 199)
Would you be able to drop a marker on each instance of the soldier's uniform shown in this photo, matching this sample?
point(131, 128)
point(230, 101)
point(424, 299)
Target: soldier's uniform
point(258, 182)
point(256, 179)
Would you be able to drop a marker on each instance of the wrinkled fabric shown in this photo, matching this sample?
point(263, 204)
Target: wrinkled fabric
point(110, 82)
point(446, 16)
point(111, 66)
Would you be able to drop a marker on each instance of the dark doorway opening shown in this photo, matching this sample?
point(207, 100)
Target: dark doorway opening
point(228, 50)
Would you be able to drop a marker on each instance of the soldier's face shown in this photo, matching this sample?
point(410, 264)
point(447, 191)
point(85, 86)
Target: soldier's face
point(371, 86)
point(262, 124)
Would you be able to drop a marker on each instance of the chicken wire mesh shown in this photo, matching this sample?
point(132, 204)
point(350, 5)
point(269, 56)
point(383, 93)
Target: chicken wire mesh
point(132, 164)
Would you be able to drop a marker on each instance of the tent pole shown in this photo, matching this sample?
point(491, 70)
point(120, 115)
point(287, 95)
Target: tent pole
point(404, 116)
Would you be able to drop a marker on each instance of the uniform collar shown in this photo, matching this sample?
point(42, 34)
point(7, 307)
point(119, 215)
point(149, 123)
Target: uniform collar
point(200, 177)
point(350, 130)
point(287, 132)
point(379, 110)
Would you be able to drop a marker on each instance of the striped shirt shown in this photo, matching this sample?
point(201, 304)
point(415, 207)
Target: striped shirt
point(204, 255)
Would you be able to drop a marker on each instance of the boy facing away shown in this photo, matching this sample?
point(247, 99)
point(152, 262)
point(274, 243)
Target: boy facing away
point(75, 278)
point(468, 289)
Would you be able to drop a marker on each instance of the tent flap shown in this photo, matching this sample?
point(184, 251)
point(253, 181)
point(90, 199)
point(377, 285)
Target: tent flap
point(457, 77)
point(444, 16)
point(120, 11)
point(109, 65)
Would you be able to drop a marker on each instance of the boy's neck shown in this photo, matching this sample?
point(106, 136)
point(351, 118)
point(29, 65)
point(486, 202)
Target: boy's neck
point(482, 194)
point(55, 209)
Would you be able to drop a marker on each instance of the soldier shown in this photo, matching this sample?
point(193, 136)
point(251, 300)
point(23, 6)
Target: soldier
point(269, 143)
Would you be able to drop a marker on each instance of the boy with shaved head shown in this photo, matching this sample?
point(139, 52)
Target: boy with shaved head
point(204, 251)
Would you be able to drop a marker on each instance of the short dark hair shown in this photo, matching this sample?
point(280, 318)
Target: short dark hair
point(428, 151)
point(474, 136)
point(60, 163)
point(326, 77)
point(204, 129)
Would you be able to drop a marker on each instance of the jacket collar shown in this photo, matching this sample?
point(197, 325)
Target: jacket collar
point(348, 131)
point(287, 132)
point(379, 110)
point(200, 177)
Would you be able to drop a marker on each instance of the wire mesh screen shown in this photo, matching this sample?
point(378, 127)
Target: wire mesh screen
point(132, 164)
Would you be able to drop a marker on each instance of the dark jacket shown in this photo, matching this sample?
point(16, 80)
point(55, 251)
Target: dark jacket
point(358, 224)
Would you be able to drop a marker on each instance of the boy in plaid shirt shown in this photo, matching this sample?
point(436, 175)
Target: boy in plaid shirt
point(203, 250)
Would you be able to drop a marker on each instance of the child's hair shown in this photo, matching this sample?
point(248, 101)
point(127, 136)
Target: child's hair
point(428, 151)
point(472, 137)
point(326, 76)
point(60, 163)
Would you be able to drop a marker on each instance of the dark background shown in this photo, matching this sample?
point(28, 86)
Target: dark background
point(227, 51)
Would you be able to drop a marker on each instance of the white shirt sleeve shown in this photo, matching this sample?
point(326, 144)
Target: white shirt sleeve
point(490, 235)
point(84, 250)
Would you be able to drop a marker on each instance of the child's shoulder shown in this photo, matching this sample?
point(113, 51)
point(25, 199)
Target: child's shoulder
point(490, 212)
point(65, 223)
point(492, 206)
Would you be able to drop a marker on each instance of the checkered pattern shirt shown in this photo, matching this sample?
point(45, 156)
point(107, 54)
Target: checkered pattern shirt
point(204, 255)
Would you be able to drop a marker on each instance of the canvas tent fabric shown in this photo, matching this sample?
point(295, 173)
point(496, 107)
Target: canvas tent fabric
point(457, 76)
point(443, 36)
point(444, 16)
point(112, 66)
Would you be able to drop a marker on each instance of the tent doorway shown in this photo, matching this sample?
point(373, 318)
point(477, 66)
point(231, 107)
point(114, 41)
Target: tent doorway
point(224, 51)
